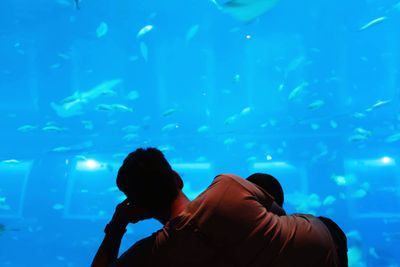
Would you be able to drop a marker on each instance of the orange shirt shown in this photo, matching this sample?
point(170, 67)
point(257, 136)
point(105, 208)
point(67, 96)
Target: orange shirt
point(230, 224)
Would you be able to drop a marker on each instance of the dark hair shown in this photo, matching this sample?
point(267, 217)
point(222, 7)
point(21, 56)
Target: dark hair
point(270, 184)
point(147, 178)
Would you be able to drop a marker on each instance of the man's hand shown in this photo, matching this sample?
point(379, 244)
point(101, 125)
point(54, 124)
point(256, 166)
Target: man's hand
point(126, 213)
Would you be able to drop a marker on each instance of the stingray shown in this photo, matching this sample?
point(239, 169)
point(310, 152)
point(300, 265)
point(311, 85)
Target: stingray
point(245, 10)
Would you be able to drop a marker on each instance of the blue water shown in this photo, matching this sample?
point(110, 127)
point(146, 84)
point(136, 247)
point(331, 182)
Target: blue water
point(302, 92)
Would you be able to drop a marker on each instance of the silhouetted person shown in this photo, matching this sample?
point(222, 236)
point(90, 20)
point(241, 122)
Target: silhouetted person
point(232, 223)
point(272, 186)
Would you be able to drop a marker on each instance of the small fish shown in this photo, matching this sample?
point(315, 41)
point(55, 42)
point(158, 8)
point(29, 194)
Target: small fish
point(146, 29)
point(27, 128)
point(295, 93)
point(169, 127)
point(11, 161)
point(373, 22)
point(191, 33)
point(356, 138)
point(133, 95)
point(131, 128)
point(333, 124)
point(246, 111)
point(379, 104)
point(229, 141)
point(203, 129)
point(2, 228)
point(77, 4)
point(58, 206)
point(53, 128)
point(113, 107)
point(230, 120)
point(329, 200)
point(102, 29)
point(61, 149)
point(168, 112)
point(245, 10)
point(144, 51)
point(130, 137)
point(362, 131)
point(393, 138)
point(316, 105)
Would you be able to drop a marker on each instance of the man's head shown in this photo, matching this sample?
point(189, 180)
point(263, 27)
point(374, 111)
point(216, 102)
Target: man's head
point(270, 184)
point(147, 179)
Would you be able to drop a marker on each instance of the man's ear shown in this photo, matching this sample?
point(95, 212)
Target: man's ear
point(179, 181)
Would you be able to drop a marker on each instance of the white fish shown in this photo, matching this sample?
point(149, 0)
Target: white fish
point(379, 104)
point(27, 128)
point(73, 105)
point(53, 128)
point(362, 131)
point(61, 149)
point(102, 30)
point(11, 161)
point(130, 137)
point(316, 104)
point(373, 22)
point(329, 200)
point(393, 138)
point(297, 91)
point(170, 127)
point(191, 33)
point(58, 206)
point(168, 112)
point(230, 120)
point(133, 95)
point(131, 128)
point(356, 138)
point(144, 51)
point(333, 124)
point(229, 141)
point(246, 111)
point(245, 10)
point(113, 107)
point(146, 29)
point(203, 129)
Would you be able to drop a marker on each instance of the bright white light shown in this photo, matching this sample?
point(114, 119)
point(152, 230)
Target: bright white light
point(92, 164)
point(248, 36)
point(88, 165)
point(386, 160)
point(269, 157)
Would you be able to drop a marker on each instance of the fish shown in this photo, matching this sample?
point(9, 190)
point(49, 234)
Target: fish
point(53, 128)
point(203, 129)
point(10, 161)
point(26, 128)
point(372, 23)
point(133, 95)
point(229, 141)
point(130, 137)
point(2, 228)
point(379, 104)
point(316, 104)
point(169, 127)
point(246, 111)
point(58, 206)
point(144, 51)
point(191, 33)
point(73, 105)
point(113, 107)
point(295, 93)
point(168, 112)
point(230, 120)
point(245, 10)
point(356, 138)
point(146, 29)
point(77, 4)
point(393, 138)
point(101, 30)
point(131, 128)
point(329, 200)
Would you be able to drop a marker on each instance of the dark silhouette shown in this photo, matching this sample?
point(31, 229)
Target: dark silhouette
point(272, 186)
point(232, 223)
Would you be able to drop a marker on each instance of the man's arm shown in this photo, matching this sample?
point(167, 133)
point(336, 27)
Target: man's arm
point(124, 214)
point(109, 248)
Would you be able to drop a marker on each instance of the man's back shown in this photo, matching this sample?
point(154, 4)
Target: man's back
point(229, 225)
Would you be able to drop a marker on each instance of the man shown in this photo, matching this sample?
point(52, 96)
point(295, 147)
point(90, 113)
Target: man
point(232, 223)
point(272, 186)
